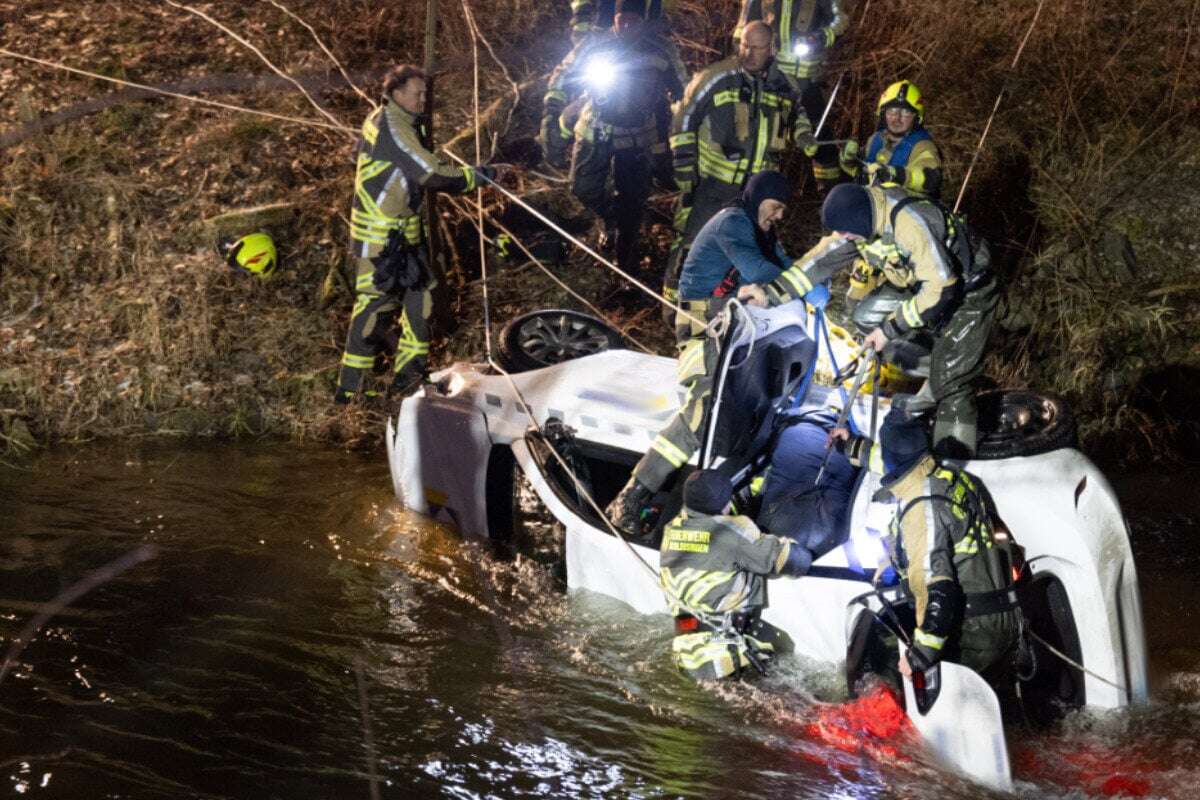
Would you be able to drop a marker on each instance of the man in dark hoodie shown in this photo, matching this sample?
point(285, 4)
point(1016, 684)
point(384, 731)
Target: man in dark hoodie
point(738, 246)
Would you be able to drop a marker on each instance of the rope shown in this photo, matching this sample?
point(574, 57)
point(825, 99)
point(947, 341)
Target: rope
point(550, 274)
point(579, 243)
point(324, 49)
point(996, 107)
point(154, 90)
point(718, 623)
point(1066, 658)
point(242, 41)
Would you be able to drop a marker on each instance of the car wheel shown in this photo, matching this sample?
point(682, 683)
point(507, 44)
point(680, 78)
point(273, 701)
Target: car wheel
point(1021, 423)
point(1055, 687)
point(542, 338)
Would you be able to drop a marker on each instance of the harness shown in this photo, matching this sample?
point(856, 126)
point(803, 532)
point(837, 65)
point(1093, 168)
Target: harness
point(971, 259)
point(903, 149)
point(978, 539)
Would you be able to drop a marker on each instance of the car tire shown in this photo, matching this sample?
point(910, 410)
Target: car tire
point(551, 336)
point(1022, 423)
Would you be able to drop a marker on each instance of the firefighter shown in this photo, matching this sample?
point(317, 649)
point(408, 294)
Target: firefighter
point(737, 118)
point(738, 246)
point(886, 237)
point(901, 153)
point(394, 169)
point(945, 549)
point(802, 32)
point(617, 82)
point(589, 16)
point(713, 569)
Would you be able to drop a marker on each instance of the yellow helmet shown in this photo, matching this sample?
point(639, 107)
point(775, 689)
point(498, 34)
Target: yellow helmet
point(902, 94)
point(254, 252)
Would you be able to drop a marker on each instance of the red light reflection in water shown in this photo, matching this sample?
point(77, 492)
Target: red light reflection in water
point(869, 725)
point(1095, 768)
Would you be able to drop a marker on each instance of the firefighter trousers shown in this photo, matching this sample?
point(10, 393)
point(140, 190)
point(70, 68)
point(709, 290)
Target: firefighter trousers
point(955, 366)
point(372, 331)
point(674, 445)
point(622, 208)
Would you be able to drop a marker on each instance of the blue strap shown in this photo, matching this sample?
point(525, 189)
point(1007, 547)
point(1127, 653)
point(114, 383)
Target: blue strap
point(904, 147)
point(823, 329)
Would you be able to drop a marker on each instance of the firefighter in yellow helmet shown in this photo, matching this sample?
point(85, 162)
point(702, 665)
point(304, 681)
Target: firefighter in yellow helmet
point(395, 169)
point(901, 153)
point(802, 32)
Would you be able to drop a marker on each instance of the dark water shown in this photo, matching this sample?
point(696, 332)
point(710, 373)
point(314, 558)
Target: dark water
point(229, 665)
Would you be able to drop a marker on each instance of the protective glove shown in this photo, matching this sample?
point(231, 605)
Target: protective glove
point(818, 296)
point(882, 173)
point(848, 158)
point(808, 143)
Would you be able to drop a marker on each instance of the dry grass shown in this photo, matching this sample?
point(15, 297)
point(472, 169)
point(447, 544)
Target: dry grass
point(117, 319)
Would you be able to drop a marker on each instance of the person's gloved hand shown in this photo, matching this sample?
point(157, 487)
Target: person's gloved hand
point(818, 296)
point(807, 142)
point(882, 173)
point(848, 158)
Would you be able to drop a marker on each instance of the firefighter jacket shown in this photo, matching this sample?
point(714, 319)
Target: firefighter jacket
point(732, 124)
point(909, 254)
point(624, 81)
point(803, 29)
point(715, 568)
point(942, 544)
point(589, 16)
point(726, 248)
point(393, 168)
point(913, 163)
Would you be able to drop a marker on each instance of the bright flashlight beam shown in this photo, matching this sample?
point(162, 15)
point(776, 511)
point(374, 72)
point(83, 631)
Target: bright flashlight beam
point(801, 49)
point(600, 74)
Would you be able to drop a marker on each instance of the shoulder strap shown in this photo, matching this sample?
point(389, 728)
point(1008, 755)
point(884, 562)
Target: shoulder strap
point(904, 147)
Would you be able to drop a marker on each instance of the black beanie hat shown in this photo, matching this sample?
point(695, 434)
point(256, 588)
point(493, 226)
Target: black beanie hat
point(769, 185)
point(847, 209)
point(707, 491)
point(632, 7)
point(904, 444)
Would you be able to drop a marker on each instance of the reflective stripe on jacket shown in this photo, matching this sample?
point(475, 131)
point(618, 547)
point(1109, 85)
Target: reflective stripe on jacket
point(942, 534)
point(393, 168)
point(731, 124)
point(643, 72)
point(916, 154)
point(910, 256)
point(792, 20)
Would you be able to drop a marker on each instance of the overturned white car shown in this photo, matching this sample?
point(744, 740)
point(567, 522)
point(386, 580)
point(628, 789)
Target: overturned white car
point(455, 449)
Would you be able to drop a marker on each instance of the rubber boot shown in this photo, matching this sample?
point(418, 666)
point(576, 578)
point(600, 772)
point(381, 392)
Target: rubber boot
point(954, 440)
point(625, 511)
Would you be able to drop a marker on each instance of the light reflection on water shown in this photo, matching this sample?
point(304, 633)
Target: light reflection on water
point(225, 668)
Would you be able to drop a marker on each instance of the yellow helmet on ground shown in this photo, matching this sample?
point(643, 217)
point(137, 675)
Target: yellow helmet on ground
point(902, 94)
point(254, 253)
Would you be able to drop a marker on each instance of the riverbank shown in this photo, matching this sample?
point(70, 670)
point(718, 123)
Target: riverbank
point(117, 319)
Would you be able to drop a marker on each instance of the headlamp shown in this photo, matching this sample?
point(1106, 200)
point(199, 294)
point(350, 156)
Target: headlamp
point(600, 74)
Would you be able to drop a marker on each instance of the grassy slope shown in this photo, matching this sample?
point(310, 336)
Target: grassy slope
point(138, 328)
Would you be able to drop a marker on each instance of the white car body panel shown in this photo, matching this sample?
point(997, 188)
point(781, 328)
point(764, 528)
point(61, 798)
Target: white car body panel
point(1057, 505)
